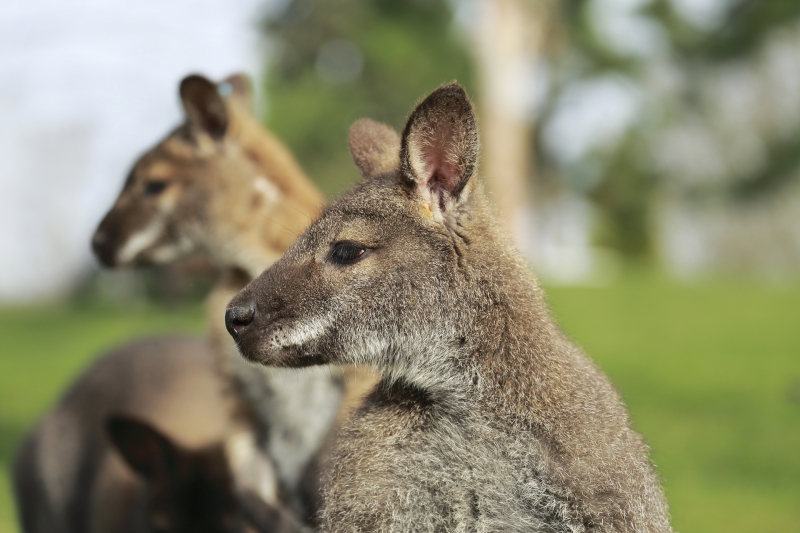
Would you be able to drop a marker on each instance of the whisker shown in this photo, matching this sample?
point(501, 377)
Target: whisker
point(293, 232)
point(310, 220)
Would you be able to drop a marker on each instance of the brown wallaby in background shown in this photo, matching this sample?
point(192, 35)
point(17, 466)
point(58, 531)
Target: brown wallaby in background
point(70, 477)
point(223, 185)
point(486, 418)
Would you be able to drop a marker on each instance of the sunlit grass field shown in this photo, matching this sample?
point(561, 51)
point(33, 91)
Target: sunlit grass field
point(711, 374)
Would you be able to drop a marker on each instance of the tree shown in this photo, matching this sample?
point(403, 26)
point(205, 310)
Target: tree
point(623, 177)
point(336, 61)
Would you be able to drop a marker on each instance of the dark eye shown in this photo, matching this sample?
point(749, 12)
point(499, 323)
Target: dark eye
point(152, 188)
point(347, 252)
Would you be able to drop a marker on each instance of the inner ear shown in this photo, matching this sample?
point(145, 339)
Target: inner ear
point(434, 158)
point(146, 450)
point(439, 149)
point(204, 106)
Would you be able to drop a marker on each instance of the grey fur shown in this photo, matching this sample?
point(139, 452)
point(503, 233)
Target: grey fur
point(487, 418)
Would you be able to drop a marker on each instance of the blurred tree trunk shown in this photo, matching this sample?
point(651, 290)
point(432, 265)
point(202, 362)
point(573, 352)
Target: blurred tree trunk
point(510, 42)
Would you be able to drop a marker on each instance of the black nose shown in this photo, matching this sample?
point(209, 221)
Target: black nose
point(238, 318)
point(102, 249)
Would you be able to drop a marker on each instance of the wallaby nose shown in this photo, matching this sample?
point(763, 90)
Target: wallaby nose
point(101, 249)
point(238, 318)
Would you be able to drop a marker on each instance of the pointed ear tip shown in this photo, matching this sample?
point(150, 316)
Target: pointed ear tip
point(368, 128)
point(238, 76)
point(374, 146)
point(239, 81)
point(193, 81)
point(360, 125)
point(454, 85)
point(449, 96)
point(191, 78)
point(460, 93)
point(453, 88)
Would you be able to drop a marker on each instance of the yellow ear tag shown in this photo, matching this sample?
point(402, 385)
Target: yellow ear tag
point(426, 210)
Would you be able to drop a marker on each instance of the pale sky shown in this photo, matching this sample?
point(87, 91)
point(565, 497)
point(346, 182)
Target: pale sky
point(85, 86)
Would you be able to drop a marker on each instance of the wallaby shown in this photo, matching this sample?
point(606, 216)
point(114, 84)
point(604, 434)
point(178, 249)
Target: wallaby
point(486, 418)
point(69, 476)
point(222, 184)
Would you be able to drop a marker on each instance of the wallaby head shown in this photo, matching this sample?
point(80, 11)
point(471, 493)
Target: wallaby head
point(376, 276)
point(207, 187)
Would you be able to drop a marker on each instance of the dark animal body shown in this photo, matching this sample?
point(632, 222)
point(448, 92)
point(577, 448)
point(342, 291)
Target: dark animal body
point(486, 418)
point(96, 464)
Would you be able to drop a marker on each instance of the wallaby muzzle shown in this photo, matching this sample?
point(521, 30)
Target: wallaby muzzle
point(104, 249)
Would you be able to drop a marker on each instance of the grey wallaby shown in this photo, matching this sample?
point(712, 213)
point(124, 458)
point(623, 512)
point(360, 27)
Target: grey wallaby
point(96, 464)
point(486, 417)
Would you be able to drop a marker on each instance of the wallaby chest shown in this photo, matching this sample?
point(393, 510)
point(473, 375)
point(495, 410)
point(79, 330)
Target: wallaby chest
point(433, 470)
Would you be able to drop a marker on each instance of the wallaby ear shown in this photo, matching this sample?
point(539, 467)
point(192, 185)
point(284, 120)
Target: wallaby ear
point(238, 86)
point(374, 147)
point(205, 107)
point(439, 150)
point(144, 448)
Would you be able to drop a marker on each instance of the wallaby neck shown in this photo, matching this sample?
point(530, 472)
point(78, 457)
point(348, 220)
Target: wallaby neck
point(505, 346)
point(271, 156)
point(279, 203)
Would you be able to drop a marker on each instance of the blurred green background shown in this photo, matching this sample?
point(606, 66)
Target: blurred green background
point(656, 192)
point(648, 131)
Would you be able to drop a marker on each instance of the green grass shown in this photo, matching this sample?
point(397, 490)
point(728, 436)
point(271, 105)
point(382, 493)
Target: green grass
point(711, 374)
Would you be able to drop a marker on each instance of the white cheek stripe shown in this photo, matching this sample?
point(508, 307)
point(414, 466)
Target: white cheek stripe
point(140, 241)
point(173, 251)
point(271, 194)
point(301, 332)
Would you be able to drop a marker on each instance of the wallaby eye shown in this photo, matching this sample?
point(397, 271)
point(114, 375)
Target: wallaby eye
point(347, 252)
point(153, 188)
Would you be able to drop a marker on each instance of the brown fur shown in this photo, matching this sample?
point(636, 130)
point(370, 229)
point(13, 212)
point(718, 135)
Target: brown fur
point(68, 476)
point(231, 189)
point(487, 418)
point(237, 194)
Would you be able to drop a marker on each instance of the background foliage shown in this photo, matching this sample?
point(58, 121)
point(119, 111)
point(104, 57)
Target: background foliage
point(394, 51)
point(341, 60)
point(676, 72)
